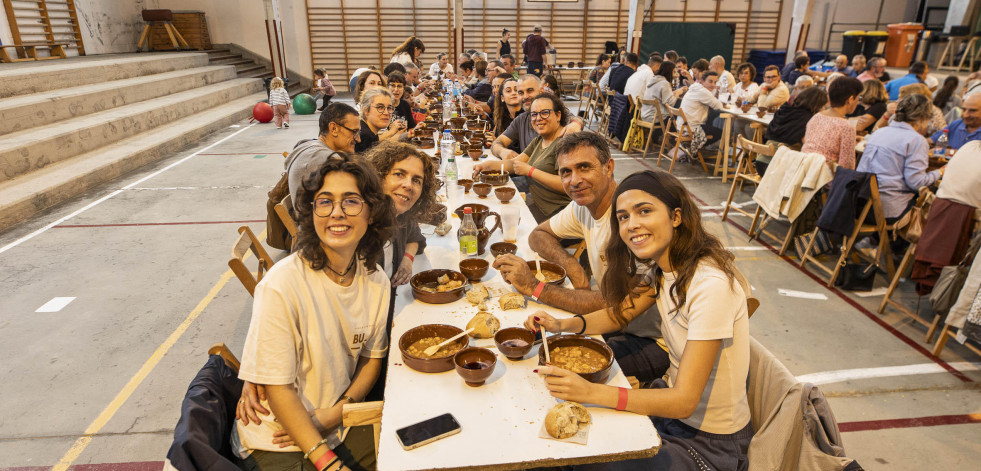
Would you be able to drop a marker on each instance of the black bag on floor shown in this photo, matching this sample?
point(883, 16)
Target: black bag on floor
point(856, 277)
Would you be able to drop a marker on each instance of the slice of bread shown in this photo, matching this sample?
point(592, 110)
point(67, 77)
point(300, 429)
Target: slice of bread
point(512, 301)
point(477, 294)
point(564, 420)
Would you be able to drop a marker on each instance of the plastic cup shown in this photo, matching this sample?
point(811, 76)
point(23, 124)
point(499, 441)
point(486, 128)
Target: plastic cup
point(510, 218)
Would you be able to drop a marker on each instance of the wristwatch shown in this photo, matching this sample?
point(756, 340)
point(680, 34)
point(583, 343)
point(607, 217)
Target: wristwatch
point(350, 400)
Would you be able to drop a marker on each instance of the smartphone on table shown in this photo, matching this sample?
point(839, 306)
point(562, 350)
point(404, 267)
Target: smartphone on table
point(427, 431)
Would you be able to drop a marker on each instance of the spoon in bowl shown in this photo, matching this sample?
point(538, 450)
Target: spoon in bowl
point(538, 266)
point(429, 351)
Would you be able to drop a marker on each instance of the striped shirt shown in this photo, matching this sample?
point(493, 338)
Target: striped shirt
point(278, 96)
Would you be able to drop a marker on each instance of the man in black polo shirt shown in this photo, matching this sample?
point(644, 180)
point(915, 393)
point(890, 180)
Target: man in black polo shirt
point(619, 76)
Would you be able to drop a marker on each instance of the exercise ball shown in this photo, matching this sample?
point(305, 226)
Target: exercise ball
point(304, 104)
point(262, 112)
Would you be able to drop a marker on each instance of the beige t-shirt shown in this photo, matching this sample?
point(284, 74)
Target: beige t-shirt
point(713, 310)
point(308, 331)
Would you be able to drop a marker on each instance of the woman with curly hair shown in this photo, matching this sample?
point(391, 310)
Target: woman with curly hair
point(366, 81)
point(317, 339)
point(702, 412)
point(409, 51)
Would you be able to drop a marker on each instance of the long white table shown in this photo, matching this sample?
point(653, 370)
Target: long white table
point(501, 420)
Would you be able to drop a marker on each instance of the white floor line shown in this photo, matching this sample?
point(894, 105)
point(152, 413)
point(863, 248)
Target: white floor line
point(56, 304)
point(749, 247)
point(801, 294)
point(114, 193)
point(838, 376)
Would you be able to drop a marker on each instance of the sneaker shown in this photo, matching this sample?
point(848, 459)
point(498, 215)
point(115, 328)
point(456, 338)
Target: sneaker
point(286, 125)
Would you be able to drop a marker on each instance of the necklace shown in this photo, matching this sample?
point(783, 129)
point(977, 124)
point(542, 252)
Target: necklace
point(348, 270)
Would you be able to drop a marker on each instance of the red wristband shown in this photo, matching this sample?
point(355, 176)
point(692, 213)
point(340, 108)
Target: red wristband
point(622, 401)
point(325, 460)
point(538, 290)
point(407, 254)
point(530, 171)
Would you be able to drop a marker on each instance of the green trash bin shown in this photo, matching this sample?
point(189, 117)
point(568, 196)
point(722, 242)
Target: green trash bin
point(875, 44)
point(851, 43)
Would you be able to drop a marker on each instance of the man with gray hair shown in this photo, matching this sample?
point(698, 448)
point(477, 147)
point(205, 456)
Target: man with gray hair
point(858, 65)
point(875, 69)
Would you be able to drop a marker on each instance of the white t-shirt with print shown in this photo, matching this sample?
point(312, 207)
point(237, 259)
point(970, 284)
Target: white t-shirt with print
point(713, 311)
point(576, 222)
point(308, 331)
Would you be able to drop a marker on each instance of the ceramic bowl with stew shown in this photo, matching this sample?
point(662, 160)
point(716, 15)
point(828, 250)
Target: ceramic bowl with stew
point(504, 193)
point(476, 153)
point(482, 189)
point(514, 342)
point(475, 365)
point(423, 143)
point(500, 248)
point(554, 273)
point(494, 177)
point(436, 364)
point(457, 123)
point(474, 268)
point(598, 350)
point(426, 286)
point(458, 135)
point(466, 183)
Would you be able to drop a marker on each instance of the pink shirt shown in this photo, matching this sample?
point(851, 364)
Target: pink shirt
point(834, 138)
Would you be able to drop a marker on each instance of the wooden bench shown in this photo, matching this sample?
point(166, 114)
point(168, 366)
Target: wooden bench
point(30, 50)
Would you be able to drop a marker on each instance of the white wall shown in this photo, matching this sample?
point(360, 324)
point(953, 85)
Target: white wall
point(111, 25)
point(853, 11)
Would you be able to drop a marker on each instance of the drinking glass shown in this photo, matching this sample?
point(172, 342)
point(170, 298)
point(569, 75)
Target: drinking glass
point(510, 218)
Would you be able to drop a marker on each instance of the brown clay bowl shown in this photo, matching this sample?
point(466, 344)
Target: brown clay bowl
point(423, 143)
point(580, 64)
point(500, 248)
point(466, 183)
point(475, 365)
point(428, 278)
point(746, 107)
point(572, 340)
point(475, 153)
point(457, 123)
point(437, 215)
point(504, 193)
point(571, 64)
point(482, 189)
point(474, 268)
point(514, 342)
point(760, 113)
point(495, 178)
point(430, 365)
point(551, 267)
point(458, 133)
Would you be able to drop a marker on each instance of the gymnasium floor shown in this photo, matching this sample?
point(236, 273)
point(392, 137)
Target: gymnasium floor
point(99, 380)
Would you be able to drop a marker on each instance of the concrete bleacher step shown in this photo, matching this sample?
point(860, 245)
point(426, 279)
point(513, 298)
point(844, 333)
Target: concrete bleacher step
point(26, 196)
point(16, 80)
point(38, 109)
point(33, 149)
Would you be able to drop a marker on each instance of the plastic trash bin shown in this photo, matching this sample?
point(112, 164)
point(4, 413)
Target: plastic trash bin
point(902, 43)
point(875, 44)
point(851, 43)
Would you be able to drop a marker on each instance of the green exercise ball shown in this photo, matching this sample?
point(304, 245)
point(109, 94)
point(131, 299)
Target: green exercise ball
point(304, 104)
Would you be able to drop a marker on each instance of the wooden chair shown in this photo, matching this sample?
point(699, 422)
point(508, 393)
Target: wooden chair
point(604, 127)
point(246, 242)
point(945, 334)
point(639, 124)
point(681, 133)
point(862, 229)
point(282, 210)
point(900, 271)
point(746, 152)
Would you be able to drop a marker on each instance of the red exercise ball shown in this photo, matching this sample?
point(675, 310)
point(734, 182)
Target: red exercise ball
point(262, 112)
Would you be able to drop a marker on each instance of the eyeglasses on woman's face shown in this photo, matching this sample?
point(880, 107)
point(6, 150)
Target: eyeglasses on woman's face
point(383, 108)
point(350, 206)
point(543, 114)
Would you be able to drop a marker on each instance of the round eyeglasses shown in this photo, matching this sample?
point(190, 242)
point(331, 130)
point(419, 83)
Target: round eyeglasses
point(350, 206)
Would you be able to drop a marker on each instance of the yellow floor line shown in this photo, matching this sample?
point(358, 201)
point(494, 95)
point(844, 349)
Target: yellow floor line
point(83, 442)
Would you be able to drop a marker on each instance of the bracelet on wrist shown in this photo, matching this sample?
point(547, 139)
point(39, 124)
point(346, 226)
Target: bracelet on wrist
point(411, 258)
point(306, 455)
point(530, 171)
point(622, 399)
point(538, 290)
point(583, 319)
point(329, 463)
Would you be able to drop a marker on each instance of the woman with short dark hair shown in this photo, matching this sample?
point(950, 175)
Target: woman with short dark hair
point(828, 132)
point(872, 107)
point(789, 123)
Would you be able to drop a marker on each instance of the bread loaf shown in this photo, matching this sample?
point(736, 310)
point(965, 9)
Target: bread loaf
point(512, 301)
point(565, 419)
point(484, 325)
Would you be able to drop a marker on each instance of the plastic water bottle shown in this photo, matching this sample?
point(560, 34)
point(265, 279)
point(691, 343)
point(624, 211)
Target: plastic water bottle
point(447, 106)
point(467, 234)
point(451, 170)
point(446, 145)
point(943, 142)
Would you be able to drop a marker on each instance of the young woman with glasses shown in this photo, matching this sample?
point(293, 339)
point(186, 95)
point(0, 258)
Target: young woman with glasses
point(376, 115)
point(317, 339)
point(538, 162)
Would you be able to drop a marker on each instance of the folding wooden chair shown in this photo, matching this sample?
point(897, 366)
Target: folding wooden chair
point(903, 266)
point(604, 127)
point(862, 229)
point(945, 334)
point(246, 242)
point(746, 152)
point(681, 133)
point(282, 210)
point(595, 104)
point(639, 124)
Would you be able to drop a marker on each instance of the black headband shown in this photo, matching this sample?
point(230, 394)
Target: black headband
point(650, 182)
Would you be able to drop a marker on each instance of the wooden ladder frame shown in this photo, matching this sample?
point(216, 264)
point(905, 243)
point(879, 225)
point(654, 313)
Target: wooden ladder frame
point(27, 50)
